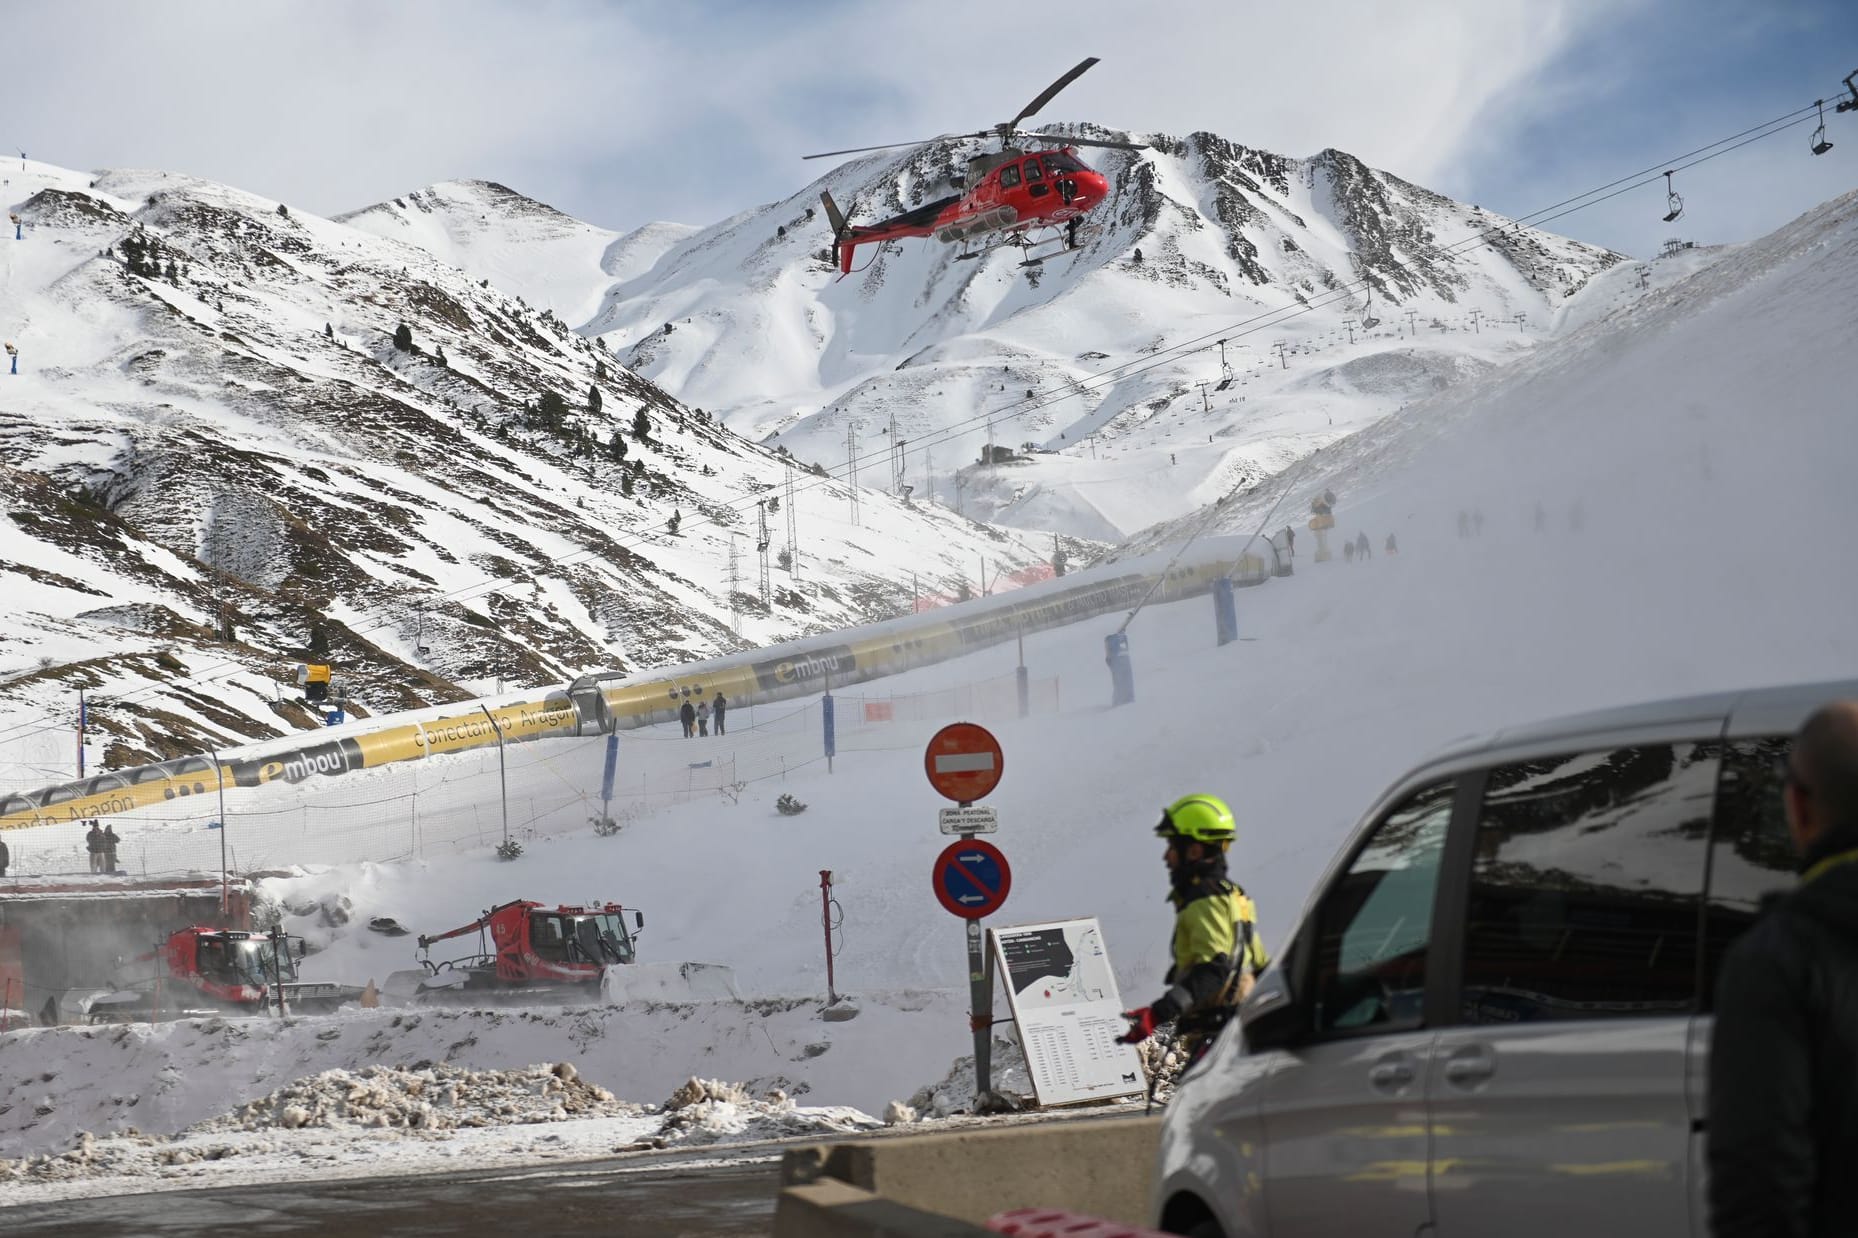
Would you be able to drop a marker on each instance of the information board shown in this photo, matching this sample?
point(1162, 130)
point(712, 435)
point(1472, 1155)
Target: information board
point(1064, 1001)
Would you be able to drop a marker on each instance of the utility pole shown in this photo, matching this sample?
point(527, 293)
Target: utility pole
point(851, 466)
point(1283, 353)
point(83, 719)
point(1475, 315)
point(1350, 324)
point(961, 483)
point(929, 472)
point(1206, 405)
point(1412, 323)
point(1520, 318)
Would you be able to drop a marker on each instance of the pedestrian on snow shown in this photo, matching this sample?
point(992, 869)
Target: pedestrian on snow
point(1783, 1087)
point(93, 843)
point(1363, 548)
point(1464, 523)
point(688, 716)
point(1393, 547)
point(1290, 541)
point(1216, 948)
point(1348, 552)
point(109, 848)
point(718, 707)
point(703, 718)
point(6, 857)
point(1171, 459)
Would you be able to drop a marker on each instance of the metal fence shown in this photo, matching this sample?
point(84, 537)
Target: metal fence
point(455, 803)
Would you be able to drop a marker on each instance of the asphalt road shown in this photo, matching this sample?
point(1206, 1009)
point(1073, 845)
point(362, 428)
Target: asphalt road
point(698, 1199)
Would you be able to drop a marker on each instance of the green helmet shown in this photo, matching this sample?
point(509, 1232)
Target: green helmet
point(1202, 818)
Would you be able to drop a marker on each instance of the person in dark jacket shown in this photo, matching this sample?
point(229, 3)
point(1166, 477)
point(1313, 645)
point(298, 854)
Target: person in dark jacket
point(93, 843)
point(1783, 1099)
point(718, 707)
point(688, 716)
point(5, 857)
point(109, 848)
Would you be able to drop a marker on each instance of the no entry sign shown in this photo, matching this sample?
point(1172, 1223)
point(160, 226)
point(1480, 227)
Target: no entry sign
point(972, 879)
point(964, 761)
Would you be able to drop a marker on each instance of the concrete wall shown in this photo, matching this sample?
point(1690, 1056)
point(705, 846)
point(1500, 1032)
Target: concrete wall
point(1099, 1166)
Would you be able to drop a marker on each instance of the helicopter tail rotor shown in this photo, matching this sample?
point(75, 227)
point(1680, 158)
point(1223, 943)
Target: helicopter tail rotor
point(841, 231)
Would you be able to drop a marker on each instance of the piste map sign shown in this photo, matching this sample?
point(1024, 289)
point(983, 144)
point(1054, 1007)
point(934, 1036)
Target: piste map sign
point(964, 762)
point(972, 878)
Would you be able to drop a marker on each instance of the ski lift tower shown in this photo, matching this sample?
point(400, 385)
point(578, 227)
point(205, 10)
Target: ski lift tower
point(793, 526)
point(761, 549)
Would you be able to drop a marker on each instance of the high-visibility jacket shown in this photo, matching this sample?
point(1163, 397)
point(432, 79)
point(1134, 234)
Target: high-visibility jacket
point(1217, 949)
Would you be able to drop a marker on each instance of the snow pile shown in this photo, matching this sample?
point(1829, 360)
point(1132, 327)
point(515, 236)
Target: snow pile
point(426, 1097)
point(705, 1111)
point(954, 1093)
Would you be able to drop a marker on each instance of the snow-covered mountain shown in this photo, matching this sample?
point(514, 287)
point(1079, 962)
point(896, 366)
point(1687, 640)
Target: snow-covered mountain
point(218, 459)
point(1376, 288)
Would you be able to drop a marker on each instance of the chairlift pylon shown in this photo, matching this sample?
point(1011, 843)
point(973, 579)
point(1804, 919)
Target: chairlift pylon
point(1844, 105)
point(1671, 200)
point(1819, 144)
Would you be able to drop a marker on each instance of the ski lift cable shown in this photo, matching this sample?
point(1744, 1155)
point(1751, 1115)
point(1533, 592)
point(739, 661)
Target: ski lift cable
point(1171, 355)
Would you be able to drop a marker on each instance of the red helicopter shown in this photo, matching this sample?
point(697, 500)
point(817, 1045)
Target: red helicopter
point(1010, 191)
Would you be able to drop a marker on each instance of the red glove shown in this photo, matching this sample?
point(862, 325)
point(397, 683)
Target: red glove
point(1141, 1026)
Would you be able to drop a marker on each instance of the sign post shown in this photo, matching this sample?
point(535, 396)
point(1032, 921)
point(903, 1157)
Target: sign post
point(971, 878)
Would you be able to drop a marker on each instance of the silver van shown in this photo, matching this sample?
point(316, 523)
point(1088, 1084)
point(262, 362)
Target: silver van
point(1494, 1016)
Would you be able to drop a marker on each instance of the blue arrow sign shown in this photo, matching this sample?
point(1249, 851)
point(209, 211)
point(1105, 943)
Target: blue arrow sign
point(972, 879)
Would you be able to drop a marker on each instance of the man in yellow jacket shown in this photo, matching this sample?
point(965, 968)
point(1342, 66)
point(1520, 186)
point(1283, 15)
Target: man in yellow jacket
point(1217, 949)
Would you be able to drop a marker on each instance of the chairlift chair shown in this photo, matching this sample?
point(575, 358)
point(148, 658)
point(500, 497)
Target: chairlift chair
point(1675, 203)
point(1819, 145)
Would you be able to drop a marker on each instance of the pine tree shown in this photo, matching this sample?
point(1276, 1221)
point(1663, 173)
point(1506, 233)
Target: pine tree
point(593, 400)
point(616, 446)
point(283, 210)
point(403, 338)
point(328, 332)
point(600, 371)
point(554, 411)
point(642, 426)
point(625, 484)
point(319, 641)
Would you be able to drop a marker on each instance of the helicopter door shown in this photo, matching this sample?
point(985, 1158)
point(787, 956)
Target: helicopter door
point(1009, 176)
point(1035, 179)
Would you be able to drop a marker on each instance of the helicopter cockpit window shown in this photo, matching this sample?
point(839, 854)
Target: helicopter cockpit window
point(1060, 162)
point(1033, 171)
point(1009, 176)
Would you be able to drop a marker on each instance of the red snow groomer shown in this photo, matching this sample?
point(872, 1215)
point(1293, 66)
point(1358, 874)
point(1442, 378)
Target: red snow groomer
point(202, 970)
point(531, 954)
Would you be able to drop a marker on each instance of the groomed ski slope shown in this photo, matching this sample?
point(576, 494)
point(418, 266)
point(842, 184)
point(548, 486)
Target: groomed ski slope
point(1704, 450)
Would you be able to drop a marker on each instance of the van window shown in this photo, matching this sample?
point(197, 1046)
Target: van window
point(1375, 924)
point(1586, 876)
point(1751, 854)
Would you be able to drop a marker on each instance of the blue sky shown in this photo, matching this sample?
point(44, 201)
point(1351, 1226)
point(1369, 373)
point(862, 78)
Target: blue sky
point(621, 113)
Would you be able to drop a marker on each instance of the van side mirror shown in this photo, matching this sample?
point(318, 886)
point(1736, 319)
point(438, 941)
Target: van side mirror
point(1271, 1017)
point(638, 919)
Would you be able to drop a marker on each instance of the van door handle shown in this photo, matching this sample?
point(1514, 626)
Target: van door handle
point(1390, 1074)
point(1470, 1065)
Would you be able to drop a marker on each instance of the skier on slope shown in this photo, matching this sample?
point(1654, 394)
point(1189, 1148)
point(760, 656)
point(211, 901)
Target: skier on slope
point(1216, 950)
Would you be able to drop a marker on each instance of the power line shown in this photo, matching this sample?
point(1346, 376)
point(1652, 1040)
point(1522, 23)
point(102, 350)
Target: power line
point(1018, 408)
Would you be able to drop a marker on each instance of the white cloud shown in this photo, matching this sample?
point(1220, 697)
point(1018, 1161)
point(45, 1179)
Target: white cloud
point(624, 113)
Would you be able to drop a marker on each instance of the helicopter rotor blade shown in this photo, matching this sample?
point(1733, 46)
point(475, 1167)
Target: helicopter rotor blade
point(859, 150)
point(1068, 140)
point(1049, 92)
